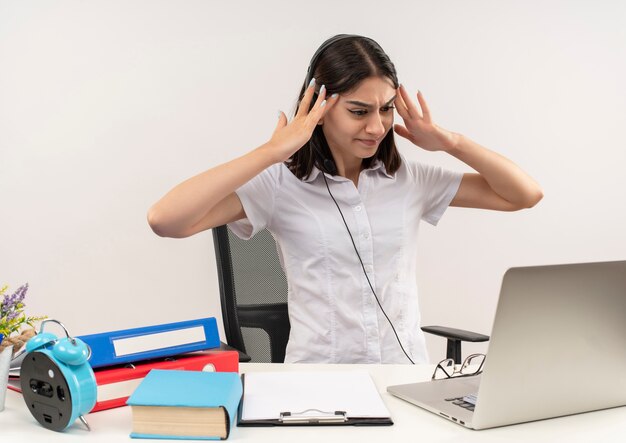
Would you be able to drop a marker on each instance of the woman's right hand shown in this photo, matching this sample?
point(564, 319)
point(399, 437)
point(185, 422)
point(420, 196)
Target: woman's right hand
point(288, 138)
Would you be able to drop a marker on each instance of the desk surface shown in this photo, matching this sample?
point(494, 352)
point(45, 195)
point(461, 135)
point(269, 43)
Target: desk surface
point(411, 422)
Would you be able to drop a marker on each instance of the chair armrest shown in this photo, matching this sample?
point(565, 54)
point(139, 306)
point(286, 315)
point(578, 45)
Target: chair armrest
point(455, 334)
point(272, 318)
point(455, 337)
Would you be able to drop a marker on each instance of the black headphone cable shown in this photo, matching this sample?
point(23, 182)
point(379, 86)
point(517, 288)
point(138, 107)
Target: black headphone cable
point(364, 272)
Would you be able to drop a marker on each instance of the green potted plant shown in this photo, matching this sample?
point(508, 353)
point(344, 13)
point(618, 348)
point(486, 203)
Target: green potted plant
point(12, 335)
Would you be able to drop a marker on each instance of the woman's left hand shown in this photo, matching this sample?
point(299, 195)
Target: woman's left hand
point(419, 127)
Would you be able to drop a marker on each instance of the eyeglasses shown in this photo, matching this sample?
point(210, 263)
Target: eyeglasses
point(472, 365)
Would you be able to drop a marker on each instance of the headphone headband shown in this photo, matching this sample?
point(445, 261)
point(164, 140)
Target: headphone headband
point(322, 48)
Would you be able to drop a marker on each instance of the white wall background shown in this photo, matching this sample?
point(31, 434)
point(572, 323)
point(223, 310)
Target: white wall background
point(105, 105)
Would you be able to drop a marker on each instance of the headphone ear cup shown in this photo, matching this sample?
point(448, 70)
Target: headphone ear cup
point(330, 166)
point(71, 351)
point(40, 340)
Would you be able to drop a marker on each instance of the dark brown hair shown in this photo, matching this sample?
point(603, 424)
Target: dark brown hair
point(342, 66)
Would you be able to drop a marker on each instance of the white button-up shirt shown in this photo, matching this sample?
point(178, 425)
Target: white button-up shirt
point(333, 313)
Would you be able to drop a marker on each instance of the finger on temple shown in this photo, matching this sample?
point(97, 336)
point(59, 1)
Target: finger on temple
point(412, 110)
point(401, 106)
point(321, 96)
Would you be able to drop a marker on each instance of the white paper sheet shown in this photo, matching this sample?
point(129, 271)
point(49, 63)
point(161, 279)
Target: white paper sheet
point(267, 394)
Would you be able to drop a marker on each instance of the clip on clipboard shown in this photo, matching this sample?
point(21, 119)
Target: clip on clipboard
point(321, 417)
point(311, 399)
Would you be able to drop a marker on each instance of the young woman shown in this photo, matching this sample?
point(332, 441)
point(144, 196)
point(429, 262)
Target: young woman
point(344, 205)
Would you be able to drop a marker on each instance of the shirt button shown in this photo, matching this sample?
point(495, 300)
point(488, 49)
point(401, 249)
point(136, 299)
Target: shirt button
point(357, 208)
point(366, 235)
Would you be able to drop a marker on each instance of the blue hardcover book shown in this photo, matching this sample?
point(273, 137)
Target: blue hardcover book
point(196, 405)
point(158, 341)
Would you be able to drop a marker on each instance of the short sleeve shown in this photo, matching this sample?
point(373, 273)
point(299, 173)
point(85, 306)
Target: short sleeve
point(438, 187)
point(258, 197)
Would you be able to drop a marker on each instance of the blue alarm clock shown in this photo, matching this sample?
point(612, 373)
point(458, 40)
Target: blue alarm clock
point(58, 384)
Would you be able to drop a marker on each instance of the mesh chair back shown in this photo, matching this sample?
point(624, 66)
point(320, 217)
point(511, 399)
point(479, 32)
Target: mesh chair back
point(253, 293)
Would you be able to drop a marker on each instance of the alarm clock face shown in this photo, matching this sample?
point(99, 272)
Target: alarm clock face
point(46, 391)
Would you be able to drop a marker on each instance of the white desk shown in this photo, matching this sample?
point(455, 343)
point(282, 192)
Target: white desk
point(411, 422)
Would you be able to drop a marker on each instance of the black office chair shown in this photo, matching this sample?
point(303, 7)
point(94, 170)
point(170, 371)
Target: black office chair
point(253, 294)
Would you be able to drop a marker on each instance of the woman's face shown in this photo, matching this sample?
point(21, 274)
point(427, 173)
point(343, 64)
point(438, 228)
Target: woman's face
point(357, 123)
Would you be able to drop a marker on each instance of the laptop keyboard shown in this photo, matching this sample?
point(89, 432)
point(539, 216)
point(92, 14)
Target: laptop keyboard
point(468, 402)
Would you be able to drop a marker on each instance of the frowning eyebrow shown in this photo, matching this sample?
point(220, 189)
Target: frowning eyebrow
point(367, 105)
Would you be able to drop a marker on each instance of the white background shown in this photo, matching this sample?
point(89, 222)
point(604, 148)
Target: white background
point(105, 105)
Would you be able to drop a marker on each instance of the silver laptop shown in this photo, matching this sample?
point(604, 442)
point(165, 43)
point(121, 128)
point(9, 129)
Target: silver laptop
point(558, 347)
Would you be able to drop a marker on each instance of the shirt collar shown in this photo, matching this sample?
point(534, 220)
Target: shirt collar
point(378, 167)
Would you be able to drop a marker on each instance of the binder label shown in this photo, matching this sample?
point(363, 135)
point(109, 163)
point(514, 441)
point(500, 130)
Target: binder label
point(159, 340)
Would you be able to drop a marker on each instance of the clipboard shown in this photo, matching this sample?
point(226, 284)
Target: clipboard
point(335, 398)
